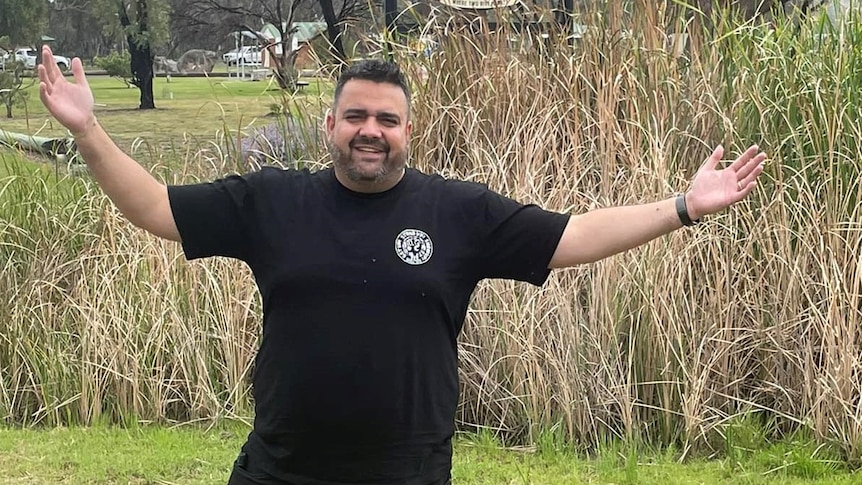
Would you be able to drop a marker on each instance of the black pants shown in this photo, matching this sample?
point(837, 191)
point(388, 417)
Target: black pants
point(244, 473)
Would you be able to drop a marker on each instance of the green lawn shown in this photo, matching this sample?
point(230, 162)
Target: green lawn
point(187, 109)
point(194, 455)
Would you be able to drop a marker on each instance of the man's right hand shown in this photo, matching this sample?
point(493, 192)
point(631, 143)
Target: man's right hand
point(70, 103)
point(140, 197)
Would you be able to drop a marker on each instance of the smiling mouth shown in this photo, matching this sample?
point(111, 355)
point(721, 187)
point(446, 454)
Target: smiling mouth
point(367, 149)
point(366, 144)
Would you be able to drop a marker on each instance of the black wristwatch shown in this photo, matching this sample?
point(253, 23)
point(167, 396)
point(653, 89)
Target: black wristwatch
point(682, 212)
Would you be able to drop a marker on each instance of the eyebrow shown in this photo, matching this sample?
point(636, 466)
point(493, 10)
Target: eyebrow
point(364, 112)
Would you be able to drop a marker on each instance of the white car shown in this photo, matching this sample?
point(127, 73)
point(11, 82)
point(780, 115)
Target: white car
point(27, 56)
point(248, 55)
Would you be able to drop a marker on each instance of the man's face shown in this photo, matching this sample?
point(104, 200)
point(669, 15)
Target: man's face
point(368, 132)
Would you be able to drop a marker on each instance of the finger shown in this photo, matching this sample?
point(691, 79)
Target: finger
point(45, 95)
point(747, 189)
point(750, 166)
point(743, 159)
point(51, 69)
point(78, 73)
point(48, 87)
point(43, 75)
point(713, 159)
point(751, 177)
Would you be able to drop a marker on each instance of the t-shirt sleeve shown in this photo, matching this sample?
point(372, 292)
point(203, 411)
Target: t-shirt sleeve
point(216, 218)
point(519, 240)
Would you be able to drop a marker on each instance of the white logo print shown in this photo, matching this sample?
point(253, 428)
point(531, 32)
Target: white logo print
point(414, 246)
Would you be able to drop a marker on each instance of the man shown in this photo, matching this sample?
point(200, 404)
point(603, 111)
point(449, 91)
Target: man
point(366, 270)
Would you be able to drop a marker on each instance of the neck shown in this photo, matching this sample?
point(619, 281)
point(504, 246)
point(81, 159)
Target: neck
point(370, 186)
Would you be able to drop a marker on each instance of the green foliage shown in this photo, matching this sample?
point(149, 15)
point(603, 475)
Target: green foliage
point(23, 21)
point(29, 192)
point(157, 12)
point(117, 65)
point(744, 435)
point(755, 446)
point(13, 88)
point(142, 25)
point(800, 456)
point(552, 441)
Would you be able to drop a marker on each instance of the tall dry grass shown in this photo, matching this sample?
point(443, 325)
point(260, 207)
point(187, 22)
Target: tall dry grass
point(105, 323)
point(752, 313)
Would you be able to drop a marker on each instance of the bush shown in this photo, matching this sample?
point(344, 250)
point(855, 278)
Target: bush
point(118, 65)
point(13, 89)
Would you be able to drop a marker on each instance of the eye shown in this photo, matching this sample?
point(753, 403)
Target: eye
point(389, 121)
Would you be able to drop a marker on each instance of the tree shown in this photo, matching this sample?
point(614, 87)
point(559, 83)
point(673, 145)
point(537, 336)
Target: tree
point(23, 21)
point(13, 90)
point(204, 30)
point(335, 25)
point(143, 24)
point(64, 24)
point(248, 15)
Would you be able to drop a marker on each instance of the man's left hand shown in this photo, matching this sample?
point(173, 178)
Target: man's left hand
point(713, 189)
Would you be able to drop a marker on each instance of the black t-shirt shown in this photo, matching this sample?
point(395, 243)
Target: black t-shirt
point(364, 296)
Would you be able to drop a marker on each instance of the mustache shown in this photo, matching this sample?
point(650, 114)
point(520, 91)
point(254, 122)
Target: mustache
point(372, 142)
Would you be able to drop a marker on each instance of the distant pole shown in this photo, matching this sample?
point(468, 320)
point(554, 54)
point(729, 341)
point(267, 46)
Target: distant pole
point(235, 49)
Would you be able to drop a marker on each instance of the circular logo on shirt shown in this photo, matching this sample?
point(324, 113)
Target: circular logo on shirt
point(414, 246)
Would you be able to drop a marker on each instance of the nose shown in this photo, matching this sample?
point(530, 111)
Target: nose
point(371, 128)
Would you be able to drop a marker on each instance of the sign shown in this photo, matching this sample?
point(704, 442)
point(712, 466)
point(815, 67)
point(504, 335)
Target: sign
point(479, 4)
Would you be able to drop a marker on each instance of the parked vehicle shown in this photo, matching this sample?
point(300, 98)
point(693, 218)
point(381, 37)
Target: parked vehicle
point(27, 56)
point(248, 55)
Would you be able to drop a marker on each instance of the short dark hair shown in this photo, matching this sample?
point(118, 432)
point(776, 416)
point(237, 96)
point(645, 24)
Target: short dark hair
point(376, 70)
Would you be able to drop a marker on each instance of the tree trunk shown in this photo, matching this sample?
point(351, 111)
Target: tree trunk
point(142, 56)
point(285, 72)
point(333, 31)
point(142, 74)
point(390, 15)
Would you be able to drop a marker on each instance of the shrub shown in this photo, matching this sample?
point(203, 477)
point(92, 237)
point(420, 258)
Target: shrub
point(118, 65)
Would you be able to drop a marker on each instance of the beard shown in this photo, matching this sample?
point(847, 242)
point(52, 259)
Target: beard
point(392, 166)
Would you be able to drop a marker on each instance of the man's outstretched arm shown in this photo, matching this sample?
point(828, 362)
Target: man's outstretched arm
point(601, 233)
point(138, 195)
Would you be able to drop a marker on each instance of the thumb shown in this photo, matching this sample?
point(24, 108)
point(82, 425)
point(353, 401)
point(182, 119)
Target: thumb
point(713, 159)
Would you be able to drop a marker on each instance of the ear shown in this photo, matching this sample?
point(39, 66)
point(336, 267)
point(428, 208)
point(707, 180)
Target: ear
point(409, 128)
point(330, 122)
